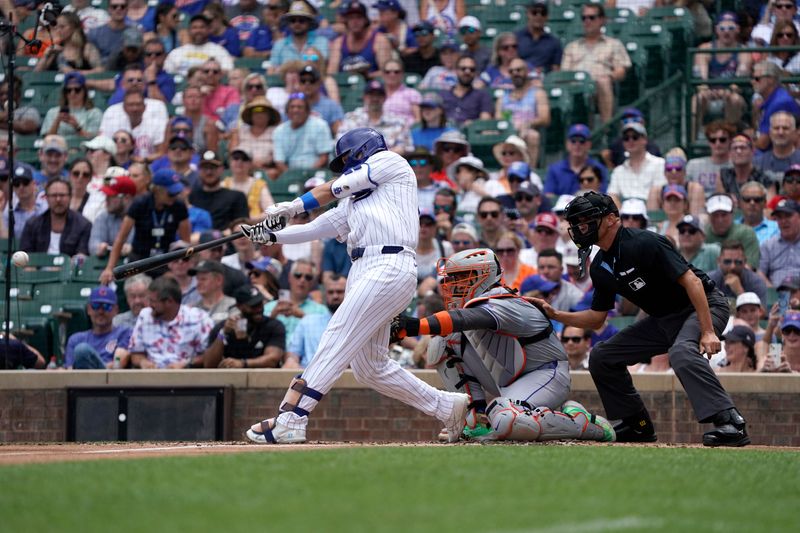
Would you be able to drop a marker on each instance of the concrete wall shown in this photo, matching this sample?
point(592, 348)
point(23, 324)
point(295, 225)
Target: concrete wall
point(33, 404)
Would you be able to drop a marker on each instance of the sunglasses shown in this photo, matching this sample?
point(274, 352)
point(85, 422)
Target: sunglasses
point(120, 139)
point(79, 174)
point(546, 231)
point(297, 96)
point(297, 20)
point(451, 148)
point(791, 329)
point(632, 217)
point(179, 147)
point(508, 47)
point(589, 17)
point(565, 340)
point(715, 140)
point(505, 251)
point(577, 140)
point(211, 71)
point(587, 179)
point(784, 6)
point(516, 71)
point(428, 223)
point(175, 131)
point(759, 78)
point(509, 153)
point(753, 199)
point(254, 273)
point(422, 32)
point(688, 231)
point(791, 179)
point(393, 71)
point(154, 54)
point(73, 90)
point(487, 214)
point(670, 168)
point(729, 262)
point(21, 183)
point(442, 208)
point(418, 162)
point(107, 307)
point(307, 81)
point(634, 137)
point(273, 7)
point(310, 57)
point(785, 35)
point(540, 12)
point(467, 69)
point(117, 6)
point(239, 157)
point(254, 87)
point(522, 197)
point(461, 243)
point(467, 30)
point(298, 275)
point(134, 80)
point(726, 27)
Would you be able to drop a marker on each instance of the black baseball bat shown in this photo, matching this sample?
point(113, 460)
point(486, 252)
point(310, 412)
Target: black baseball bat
point(149, 263)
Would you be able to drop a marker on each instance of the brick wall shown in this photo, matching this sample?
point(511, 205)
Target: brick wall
point(33, 405)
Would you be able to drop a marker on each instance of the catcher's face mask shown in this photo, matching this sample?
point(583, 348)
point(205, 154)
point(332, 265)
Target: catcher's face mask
point(460, 285)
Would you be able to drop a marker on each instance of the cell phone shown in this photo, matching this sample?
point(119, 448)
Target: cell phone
point(284, 295)
point(512, 213)
point(65, 109)
point(783, 302)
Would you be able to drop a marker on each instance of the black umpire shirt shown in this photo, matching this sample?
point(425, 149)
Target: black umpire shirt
point(268, 332)
point(643, 267)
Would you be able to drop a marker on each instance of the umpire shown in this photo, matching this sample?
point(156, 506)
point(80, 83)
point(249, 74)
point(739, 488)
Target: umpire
point(686, 315)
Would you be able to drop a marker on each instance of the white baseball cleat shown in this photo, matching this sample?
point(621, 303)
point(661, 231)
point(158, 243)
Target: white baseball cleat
point(274, 432)
point(454, 424)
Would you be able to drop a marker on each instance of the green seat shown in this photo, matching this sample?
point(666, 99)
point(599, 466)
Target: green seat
point(678, 21)
point(621, 322)
point(560, 120)
point(46, 79)
point(19, 291)
point(253, 64)
point(36, 323)
point(43, 268)
point(577, 84)
point(89, 271)
point(633, 86)
point(656, 215)
point(71, 300)
point(289, 185)
point(656, 42)
point(772, 297)
point(484, 134)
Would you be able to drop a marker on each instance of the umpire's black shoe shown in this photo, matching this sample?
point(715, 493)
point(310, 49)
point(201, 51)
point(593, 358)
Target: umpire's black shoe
point(637, 428)
point(729, 430)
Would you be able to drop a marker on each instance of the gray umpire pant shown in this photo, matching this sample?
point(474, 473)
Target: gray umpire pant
point(678, 335)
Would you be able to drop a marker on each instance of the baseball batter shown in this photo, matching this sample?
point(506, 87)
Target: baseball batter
point(377, 216)
point(508, 354)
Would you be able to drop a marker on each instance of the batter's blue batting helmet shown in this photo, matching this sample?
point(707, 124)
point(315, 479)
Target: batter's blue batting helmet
point(355, 147)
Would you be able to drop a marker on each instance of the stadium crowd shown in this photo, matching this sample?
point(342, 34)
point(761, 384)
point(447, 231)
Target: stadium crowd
point(210, 105)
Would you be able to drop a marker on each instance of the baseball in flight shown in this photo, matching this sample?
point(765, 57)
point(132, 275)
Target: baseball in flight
point(20, 259)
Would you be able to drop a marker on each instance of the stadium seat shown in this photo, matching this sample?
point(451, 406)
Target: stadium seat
point(621, 322)
point(36, 323)
point(289, 185)
point(579, 86)
point(89, 271)
point(656, 41)
point(43, 268)
point(484, 134)
point(678, 21)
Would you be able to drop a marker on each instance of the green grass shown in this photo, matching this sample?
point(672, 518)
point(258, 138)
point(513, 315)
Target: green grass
point(462, 488)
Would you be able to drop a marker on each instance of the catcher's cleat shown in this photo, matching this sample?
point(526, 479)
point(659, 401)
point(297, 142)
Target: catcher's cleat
point(573, 408)
point(729, 430)
point(273, 432)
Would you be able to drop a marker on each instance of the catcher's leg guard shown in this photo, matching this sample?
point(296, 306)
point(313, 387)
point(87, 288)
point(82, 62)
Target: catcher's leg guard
point(557, 425)
point(273, 431)
point(579, 413)
point(512, 420)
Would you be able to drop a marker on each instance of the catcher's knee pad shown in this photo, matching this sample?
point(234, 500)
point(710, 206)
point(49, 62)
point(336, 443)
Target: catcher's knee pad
point(298, 389)
point(512, 420)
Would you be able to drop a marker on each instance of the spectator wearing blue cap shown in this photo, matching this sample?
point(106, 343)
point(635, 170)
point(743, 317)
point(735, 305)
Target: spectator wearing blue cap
point(433, 121)
point(104, 345)
point(562, 176)
point(722, 65)
point(614, 155)
point(675, 200)
point(426, 56)
point(361, 49)
point(27, 203)
point(536, 46)
point(443, 77)
point(392, 23)
point(157, 219)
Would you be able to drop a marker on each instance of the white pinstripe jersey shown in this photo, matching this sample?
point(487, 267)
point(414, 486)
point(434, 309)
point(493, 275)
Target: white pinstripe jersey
point(385, 214)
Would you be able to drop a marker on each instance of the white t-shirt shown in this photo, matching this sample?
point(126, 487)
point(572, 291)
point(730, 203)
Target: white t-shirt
point(54, 248)
point(148, 134)
point(626, 183)
point(181, 59)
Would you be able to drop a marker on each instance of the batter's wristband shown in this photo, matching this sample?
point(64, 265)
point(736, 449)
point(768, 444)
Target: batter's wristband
point(309, 202)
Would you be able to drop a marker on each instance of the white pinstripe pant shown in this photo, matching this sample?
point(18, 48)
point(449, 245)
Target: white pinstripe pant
point(378, 288)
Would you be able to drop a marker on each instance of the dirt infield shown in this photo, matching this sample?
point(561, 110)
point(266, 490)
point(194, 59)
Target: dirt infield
point(14, 454)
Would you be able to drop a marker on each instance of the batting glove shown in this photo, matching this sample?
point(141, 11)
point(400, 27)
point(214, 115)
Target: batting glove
point(263, 232)
point(285, 209)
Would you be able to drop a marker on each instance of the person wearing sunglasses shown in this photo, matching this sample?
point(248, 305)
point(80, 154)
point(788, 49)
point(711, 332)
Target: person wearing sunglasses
point(675, 203)
point(198, 50)
point(752, 202)
point(464, 236)
point(780, 253)
point(86, 200)
point(220, 30)
point(256, 134)
point(543, 233)
point(490, 220)
point(577, 343)
point(721, 228)
point(538, 47)
point(167, 28)
point(749, 311)
point(361, 49)
point(27, 202)
point(119, 192)
point(262, 38)
point(742, 171)
point(616, 153)
point(59, 230)
point(430, 247)
point(422, 163)
point(733, 277)
point(75, 115)
point(392, 23)
point(426, 55)
point(790, 187)
point(102, 154)
point(294, 304)
point(785, 34)
point(469, 29)
point(775, 11)
point(153, 80)
point(675, 174)
point(562, 176)
point(692, 244)
point(641, 170)
point(145, 118)
point(775, 99)
point(498, 74)
point(633, 214)
point(713, 66)
point(109, 38)
point(104, 346)
point(603, 57)
point(450, 146)
point(156, 218)
point(315, 88)
point(706, 170)
point(372, 114)
point(465, 103)
point(788, 360)
point(301, 23)
point(401, 100)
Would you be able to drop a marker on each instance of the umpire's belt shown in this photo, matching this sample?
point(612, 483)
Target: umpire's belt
point(358, 253)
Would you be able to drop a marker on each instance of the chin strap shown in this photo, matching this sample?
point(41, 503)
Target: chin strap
point(583, 255)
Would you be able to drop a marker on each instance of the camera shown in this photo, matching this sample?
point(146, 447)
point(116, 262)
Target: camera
point(513, 213)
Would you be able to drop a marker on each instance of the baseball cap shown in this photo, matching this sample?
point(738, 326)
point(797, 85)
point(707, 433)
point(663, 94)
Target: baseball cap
point(719, 202)
point(375, 86)
point(791, 320)
point(538, 4)
point(793, 169)
point(469, 22)
point(177, 245)
point(119, 185)
point(310, 70)
point(691, 220)
point(169, 179)
point(207, 265)
point(57, 143)
point(427, 213)
point(353, 7)
point(561, 203)
point(432, 100)
point(674, 190)
point(631, 112)
point(103, 295)
point(747, 298)
point(181, 120)
point(786, 206)
point(465, 227)
point(520, 170)
point(423, 26)
point(741, 334)
point(537, 283)
point(634, 207)
point(22, 171)
point(790, 283)
point(727, 16)
point(210, 158)
point(132, 37)
point(74, 77)
point(209, 235)
point(248, 295)
point(579, 130)
point(547, 220)
point(449, 44)
point(638, 127)
point(570, 255)
point(469, 161)
point(181, 138)
point(527, 187)
point(269, 265)
point(244, 151)
point(101, 142)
